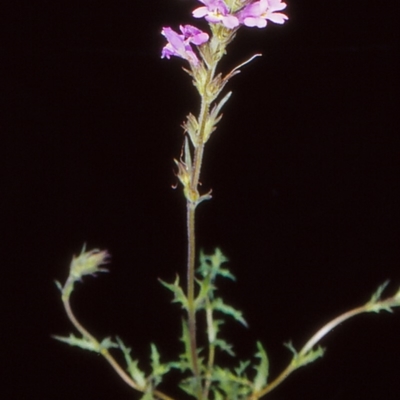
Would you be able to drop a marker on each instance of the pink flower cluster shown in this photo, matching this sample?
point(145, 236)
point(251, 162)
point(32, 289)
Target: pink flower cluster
point(215, 11)
point(257, 13)
point(254, 14)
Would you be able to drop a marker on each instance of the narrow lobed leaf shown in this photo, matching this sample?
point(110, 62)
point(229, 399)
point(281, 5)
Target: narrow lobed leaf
point(262, 369)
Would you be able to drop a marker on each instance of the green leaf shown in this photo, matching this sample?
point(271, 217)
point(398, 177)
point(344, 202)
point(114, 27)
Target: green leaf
point(158, 369)
point(378, 293)
point(205, 292)
point(262, 369)
point(235, 387)
point(300, 359)
point(148, 395)
point(219, 305)
point(376, 304)
point(83, 343)
point(87, 344)
point(311, 356)
point(290, 346)
point(107, 343)
point(217, 395)
point(189, 385)
point(59, 286)
point(214, 118)
point(132, 366)
point(243, 365)
point(177, 291)
point(211, 265)
point(224, 346)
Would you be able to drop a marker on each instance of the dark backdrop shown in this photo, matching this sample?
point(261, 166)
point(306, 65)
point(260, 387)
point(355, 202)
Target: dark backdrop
point(304, 171)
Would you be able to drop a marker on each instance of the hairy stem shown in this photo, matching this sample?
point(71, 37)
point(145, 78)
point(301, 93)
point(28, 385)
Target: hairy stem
point(190, 285)
point(191, 234)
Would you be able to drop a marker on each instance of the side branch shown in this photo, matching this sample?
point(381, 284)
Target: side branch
point(107, 355)
point(104, 352)
point(90, 263)
point(308, 353)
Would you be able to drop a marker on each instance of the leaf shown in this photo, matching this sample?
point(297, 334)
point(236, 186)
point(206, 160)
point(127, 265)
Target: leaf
point(83, 343)
point(378, 293)
point(191, 126)
point(262, 369)
point(205, 292)
point(214, 117)
point(219, 305)
point(132, 366)
point(217, 395)
point(158, 369)
point(240, 370)
point(189, 385)
point(177, 291)
point(211, 265)
point(224, 346)
point(300, 359)
point(235, 387)
point(59, 286)
point(311, 356)
point(107, 343)
point(148, 395)
point(290, 346)
point(376, 304)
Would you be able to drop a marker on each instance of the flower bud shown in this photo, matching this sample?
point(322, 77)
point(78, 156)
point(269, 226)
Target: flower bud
point(88, 263)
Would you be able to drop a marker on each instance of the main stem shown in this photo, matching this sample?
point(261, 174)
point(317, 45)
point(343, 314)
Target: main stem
point(191, 251)
point(191, 234)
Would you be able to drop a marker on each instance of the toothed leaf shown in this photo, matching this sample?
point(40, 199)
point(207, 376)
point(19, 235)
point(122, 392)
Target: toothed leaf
point(179, 295)
point(83, 343)
point(262, 369)
point(219, 305)
point(224, 346)
point(158, 369)
point(132, 365)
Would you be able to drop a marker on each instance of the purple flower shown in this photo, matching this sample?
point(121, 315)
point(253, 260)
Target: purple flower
point(216, 11)
point(257, 13)
point(179, 45)
point(196, 36)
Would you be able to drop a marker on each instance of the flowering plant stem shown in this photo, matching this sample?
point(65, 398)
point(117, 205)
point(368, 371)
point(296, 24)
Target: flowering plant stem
point(191, 233)
point(206, 380)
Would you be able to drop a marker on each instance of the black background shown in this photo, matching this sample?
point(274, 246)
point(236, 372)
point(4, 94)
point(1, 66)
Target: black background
point(304, 171)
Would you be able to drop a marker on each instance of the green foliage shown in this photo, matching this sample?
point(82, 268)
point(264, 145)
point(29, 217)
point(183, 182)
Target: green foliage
point(135, 372)
point(213, 381)
point(376, 304)
point(262, 369)
point(209, 269)
point(179, 295)
point(231, 384)
point(158, 369)
point(302, 359)
point(87, 344)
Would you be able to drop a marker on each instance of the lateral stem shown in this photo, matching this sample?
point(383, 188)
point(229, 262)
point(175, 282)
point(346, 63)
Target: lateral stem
point(327, 328)
point(107, 355)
